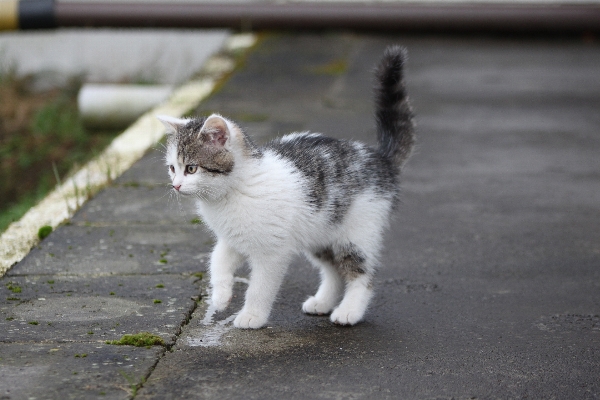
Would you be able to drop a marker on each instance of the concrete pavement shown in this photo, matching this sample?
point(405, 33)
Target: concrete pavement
point(490, 286)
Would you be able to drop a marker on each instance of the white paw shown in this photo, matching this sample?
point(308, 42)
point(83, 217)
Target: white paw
point(220, 298)
point(345, 316)
point(248, 320)
point(314, 306)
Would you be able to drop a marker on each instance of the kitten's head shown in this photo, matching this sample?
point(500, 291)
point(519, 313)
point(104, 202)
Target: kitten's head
point(201, 154)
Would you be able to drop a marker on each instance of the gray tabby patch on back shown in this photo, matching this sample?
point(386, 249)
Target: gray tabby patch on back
point(337, 170)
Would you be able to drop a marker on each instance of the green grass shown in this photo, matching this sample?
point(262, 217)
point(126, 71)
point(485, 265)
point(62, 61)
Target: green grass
point(42, 139)
point(15, 211)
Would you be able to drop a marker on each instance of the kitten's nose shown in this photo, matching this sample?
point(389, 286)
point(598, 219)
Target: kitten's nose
point(176, 187)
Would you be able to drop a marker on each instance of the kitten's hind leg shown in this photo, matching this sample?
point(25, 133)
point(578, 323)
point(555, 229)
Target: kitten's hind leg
point(223, 263)
point(356, 268)
point(331, 286)
point(356, 300)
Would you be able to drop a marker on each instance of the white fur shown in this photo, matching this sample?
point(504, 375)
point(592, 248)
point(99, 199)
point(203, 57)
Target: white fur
point(259, 214)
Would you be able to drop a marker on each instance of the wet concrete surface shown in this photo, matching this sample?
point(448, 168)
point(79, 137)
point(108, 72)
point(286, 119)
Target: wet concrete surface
point(490, 278)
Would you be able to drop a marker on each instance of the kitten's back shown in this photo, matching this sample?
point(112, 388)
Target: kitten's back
point(336, 170)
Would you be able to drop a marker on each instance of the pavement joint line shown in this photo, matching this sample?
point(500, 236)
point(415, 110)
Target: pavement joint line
point(62, 203)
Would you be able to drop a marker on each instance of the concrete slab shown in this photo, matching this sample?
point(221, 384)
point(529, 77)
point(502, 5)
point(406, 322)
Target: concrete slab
point(133, 203)
point(109, 250)
point(50, 308)
point(73, 370)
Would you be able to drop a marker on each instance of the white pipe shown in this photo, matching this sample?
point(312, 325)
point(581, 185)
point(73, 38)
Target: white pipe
point(117, 106)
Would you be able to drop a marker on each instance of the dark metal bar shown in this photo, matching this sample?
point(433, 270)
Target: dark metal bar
point(36, 14)
point(313, 15)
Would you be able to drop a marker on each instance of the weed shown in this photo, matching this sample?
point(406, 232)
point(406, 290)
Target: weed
point(196, 221)
point(33, 323)
point(14, 288)
point(131, 184)
point(142, 339)
point(160, 286)
point(44, 231)
point(198, 275)
point(157, 301)
point(132, 384)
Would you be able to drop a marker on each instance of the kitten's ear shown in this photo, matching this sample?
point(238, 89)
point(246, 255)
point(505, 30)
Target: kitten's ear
point(215, 131)
point(172, 124)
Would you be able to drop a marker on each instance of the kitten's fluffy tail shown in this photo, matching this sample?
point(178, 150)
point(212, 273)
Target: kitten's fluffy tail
point(393, 114)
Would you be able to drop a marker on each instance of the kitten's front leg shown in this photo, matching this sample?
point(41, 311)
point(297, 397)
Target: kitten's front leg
point(223, 263)
point(265, 280)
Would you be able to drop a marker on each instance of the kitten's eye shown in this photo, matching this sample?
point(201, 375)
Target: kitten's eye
point(172, 169)
point(191, 169)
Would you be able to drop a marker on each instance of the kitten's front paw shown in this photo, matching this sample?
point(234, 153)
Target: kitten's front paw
point(314, 306)
point(247, 320)
point(343, 316)
point(220, 299)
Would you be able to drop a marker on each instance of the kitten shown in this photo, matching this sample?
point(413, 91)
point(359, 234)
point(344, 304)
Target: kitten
point(304, 193)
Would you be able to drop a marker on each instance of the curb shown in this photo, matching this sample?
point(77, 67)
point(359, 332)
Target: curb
point(62, 203)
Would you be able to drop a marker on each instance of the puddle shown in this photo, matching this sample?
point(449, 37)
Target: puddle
point(214, 331)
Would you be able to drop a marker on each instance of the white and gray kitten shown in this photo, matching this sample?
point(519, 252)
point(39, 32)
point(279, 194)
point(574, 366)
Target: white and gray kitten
point(304, 193)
